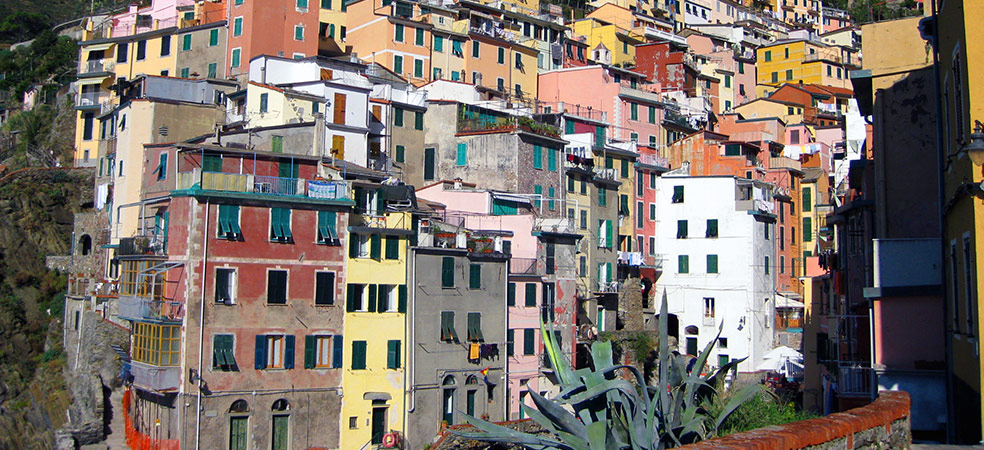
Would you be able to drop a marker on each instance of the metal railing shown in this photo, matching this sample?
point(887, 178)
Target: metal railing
point(133, 307)
point(143, 245)
point(608, 286)
point(855, 380)
point(97, 65)
point(525, 266)
point(263, 185)
point(88, 99)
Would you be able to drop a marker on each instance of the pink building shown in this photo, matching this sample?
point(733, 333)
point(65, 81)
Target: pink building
point(632, 105)
point(541, 279)
point(649, 165)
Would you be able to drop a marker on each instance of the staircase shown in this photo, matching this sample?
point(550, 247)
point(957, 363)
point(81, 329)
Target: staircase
point(116, 438)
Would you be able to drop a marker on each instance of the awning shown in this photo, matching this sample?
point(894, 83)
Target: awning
point(98, 47)
point(512, 198)
point(90, 80)
point(789, 300)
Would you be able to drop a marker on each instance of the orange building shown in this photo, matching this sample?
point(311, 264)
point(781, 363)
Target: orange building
point(256, 28)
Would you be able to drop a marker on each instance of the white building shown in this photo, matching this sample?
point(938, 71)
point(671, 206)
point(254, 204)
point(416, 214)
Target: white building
point(716, 233)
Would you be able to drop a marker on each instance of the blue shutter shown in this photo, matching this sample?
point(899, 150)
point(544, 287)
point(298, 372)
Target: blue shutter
point(289, 352)
point(336, 351)
point(260, 361)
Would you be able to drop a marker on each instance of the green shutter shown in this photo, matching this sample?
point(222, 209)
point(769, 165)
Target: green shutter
point(358, 355)
point(400, 153)
point(625, 168)
point(393, 354)
point(807, 199)
point(351, 297)
point(447, 272)
point(310, 351)
point(418, 117)
point(712, 228)
point(475, 276)
point(552, 159)
point(530, 294)
point(510, 342)
point(337, 342)
point(392, 247)
point(462, 156)
point(373, 294)
point(475, 327)
point(511, 294)
point(213, 38)
point(609, 230)
point(402, 300)
point(807, 229)
point(537, 156)
point(712, 263)
point(683, 264)
point(681, 229)
point(353, 245)
point(529, 341)
point(259, 359)
point(375, 244)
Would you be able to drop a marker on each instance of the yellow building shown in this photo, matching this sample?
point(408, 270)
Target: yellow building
point(961, 51)
point(766, 107)
point(619, 41)
point(803, 61)
point(376, 299)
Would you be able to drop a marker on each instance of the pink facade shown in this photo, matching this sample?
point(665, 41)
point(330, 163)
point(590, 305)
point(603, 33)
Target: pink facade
point(160, 14)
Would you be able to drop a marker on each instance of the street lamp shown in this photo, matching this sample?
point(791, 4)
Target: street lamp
point(976, 146)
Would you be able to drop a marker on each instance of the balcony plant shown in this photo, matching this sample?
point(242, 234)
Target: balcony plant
point(597, 410)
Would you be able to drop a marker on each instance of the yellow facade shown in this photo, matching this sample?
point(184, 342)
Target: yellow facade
point(799, 61)
point(616, 39)
point(763, 107)
point(376, 382)
point(625, 174)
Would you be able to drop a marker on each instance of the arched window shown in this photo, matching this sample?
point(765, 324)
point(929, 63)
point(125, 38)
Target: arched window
point(281, 405)
point(472, 379)
point(85, 245)
point(447, 408)
point(239, 406)
point(448, 381)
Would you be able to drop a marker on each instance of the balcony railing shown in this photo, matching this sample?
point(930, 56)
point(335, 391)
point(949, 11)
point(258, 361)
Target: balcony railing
point(653, 160)
point(132, 307)
point(88, 99)
point(606, 286)
point(263, 185)
point(498, 124)
point(657, 34)
point(157, 378)
point(608, 174)
point(854, 380)
point(143, 245)
point(96, 66)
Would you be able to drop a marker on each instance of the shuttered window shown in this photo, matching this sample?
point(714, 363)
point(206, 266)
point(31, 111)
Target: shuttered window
point(475, 327)
point(223, 353)
point(712, 228)
point(327, 231)
point(358, 355)
point(511, 294)
point(392, 247)
point(447, 272)
point(229, 222)
point(393, 354)
point(712, 263)
point(529, 341)
point(530, 294)
point(277, 287)
point(280, 224)
point(448, 333)
point(324, 291)
point(475, 276)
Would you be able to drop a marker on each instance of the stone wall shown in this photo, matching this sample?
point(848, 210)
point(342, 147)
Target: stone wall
point(883, 424)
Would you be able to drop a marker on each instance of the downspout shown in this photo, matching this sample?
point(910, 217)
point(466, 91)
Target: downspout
point(201, 332)
point(941, 162)
point(411, 335)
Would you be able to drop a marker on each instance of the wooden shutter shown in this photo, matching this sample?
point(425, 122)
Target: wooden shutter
point(392, 247)
point(358, 355)
point(289, 352)
point(530, 294)
point(310, 351)
point(260, 354)
point(336, 353)
point(529, 341)
point(374, 246)
point(447, 272)
point(475, 276)
point(339, 105)
point(350, 298)
point(511, 294)
point(402, 302)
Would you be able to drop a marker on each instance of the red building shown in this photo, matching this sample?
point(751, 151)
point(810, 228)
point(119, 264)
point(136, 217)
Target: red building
point(669, 64)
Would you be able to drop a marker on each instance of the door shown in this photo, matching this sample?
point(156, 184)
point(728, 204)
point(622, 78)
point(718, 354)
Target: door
point(237, 433)
point(280, 432)
point(378, 425)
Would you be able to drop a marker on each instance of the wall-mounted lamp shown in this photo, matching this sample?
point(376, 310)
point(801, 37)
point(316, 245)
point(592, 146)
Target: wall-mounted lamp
point(975, 149)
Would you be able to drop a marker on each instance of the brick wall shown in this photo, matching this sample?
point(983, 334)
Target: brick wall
point(882, 424)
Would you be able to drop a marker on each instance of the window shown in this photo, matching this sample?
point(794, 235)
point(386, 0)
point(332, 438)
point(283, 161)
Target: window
point(712, 228)
point(158, 345)
point(323, 351)
point(456, 50)
point(393, 354)
point(298, 32)
point(88, 121)
point(161, 169)
point(237, 27)
point(447, 272)
point(552, 159)
point(519, 61)
point(602, 196)
point(789, 74)
point(212, 70)
point(141, 50)
point(677, 194)
point(398, 68)
point(530, 298)
point(165, 45)
point(475, 49)
point(807, 199)
point(462, 154)
point(280, 225)
point(807, 229)
point(398, 112)
point(225, 285)
point(274, 351)
point(358, 355)
point(264, 102)
point(418, 70)
point(775, 77)
point(392, 247)
point(652, 211)
point(438, 44)
point(538, 190)
point(683, 264)
point(681, 229)
point(550, 196)
point(709, 309)
point(511, 294)
point(765, 230)
point(633, 111)
point(277, 287)
point(429, 163)
point(537, 156)
point(418, 119)
point(448, 333)
point(652, 114)
point(529, 341)
point(475, 327)
point(236, 54)
point(584, 219)
point(400, 154)
point(768, 55)
point(766, 265)
point(474, 276)
point(652, 245)
point(324, 288)
point(786, 52)
point(502, 56)
point(123, 47)
point(712, 263)
point(782, 264)
point(223, 353)
point(732, 150)
point(229, 222)
point(640, 216)
point(398, 36)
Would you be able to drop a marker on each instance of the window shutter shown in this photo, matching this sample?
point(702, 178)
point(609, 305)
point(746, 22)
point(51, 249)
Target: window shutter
point(447, 272)
point(374, 246)
point(310, 351)
point(380, 202)
point(530, 294)
point(475, 276)
point(608, 271)
point(350, 298)
point(373, 290)
point(260, 356)
point(353, 245)
point(529, 341)
point(289, 352)
point(510, 340)
point(358, 355)
point(393, 354)
point(608, 233)
point(336, 353)
point(285, 223)
point(402, 302)
point(537, 156)
point(511, 294)
point(392, 247)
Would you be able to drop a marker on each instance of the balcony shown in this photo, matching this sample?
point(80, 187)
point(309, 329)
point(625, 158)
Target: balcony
point(653, 160)
point(96, 67)
point(625, 91)
point(263, 185)
point(675, 118)
point(155, 245)
point(854, 380)
point(155, 378)
point(140, 308)
point(630, 258)
point(88, 100)
point(820, 56)
point(660, 35)
point(473, 122)
point(608, 174)
point(555, 225)
point(607, 287)
point(523, 266)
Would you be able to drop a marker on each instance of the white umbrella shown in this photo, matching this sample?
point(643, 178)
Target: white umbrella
point(776, 359)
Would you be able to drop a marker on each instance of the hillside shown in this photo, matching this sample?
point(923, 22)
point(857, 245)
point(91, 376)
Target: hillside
point(36, 213)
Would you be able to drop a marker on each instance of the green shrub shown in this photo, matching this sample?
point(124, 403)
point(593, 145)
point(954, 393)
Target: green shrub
point(763, 410)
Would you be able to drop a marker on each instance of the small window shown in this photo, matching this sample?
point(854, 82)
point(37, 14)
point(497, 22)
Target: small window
point(681, 229)
point(475, 276)
point(280, 225)
point(358, 355)
point(683, 264)
point(677, 194)
point(229, 222)
point(324, 291)
point(447, 272)
point(327, 228)
point(712, 228)
point(712, 263)
point(225, 285)
point(277, 287)
point(223, 353)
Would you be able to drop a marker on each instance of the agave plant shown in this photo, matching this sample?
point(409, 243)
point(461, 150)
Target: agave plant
point(597, 410)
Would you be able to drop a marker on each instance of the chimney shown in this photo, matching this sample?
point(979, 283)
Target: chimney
point(319, 135)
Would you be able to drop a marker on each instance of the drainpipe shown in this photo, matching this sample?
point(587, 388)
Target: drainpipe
point(201, 333)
